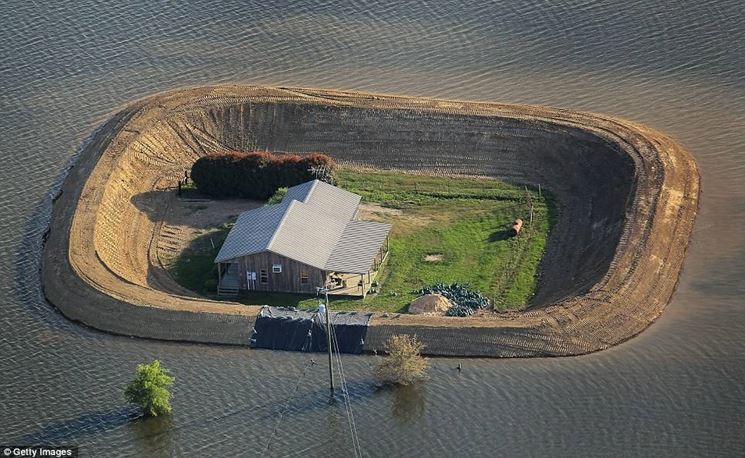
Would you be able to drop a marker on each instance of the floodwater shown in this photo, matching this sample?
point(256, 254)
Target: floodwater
point(676, 390)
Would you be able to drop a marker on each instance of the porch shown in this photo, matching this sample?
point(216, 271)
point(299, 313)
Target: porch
point(355, 284)
point(229, 280)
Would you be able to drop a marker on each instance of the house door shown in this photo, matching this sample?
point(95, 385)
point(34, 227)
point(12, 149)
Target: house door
point(230, 277)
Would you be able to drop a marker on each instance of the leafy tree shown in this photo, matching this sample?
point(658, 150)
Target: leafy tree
point(149, 389)
point(404, 363)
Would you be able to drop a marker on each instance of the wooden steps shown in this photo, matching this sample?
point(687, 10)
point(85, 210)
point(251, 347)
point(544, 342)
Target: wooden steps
point(231, 291)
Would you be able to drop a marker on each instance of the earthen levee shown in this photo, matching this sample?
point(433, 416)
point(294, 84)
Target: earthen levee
point(627, 198)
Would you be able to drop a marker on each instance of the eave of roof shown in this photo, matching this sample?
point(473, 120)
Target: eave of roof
point(358, 246)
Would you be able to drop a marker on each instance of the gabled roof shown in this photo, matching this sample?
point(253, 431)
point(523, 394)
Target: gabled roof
point(357, 247)
point(329, 199)
point(253, 231)
point(313, 224)
point(307, 236)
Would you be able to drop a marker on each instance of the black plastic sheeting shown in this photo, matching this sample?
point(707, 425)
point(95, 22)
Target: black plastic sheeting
point(280, 328)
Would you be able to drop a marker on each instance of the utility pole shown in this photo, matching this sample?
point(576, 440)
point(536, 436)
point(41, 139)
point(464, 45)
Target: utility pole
point(328, 337)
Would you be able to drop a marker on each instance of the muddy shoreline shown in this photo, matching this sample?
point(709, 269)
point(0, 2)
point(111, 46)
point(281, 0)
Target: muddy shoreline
point(628, 197)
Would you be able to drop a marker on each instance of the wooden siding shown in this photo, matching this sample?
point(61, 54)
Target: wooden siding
point(287, 281)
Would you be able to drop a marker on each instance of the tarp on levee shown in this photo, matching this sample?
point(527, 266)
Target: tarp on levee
point(284, 328)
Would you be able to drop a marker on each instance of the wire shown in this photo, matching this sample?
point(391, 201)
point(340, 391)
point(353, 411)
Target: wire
point(287, 406)
point(345, 396)
point(347, 401)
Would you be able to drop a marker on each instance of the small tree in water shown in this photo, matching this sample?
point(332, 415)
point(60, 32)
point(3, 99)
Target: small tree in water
point(404, 364)
point(149, 389)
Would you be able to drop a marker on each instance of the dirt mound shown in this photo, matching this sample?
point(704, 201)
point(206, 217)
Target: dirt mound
point(434, 304)
point(627, 197)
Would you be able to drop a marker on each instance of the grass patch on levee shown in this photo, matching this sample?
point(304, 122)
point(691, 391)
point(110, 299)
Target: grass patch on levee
point(461, 225)
point(445, 229)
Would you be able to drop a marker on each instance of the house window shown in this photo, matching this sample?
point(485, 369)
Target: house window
point(264, 275)
point(304, 277)
point(277, 268)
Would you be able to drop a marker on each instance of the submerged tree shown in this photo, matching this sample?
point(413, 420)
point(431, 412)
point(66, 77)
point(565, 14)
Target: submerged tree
point(404, 364)
point(149, 389)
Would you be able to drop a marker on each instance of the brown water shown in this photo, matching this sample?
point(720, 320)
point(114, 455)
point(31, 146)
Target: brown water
point(676, 390)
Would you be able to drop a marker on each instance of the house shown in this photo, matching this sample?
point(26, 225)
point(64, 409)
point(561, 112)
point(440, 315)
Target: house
point(311, 239)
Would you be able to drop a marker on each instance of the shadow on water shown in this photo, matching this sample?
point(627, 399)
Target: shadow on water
point(153, 435)
point(90, 424)
point(408, 402)
point(318, 399)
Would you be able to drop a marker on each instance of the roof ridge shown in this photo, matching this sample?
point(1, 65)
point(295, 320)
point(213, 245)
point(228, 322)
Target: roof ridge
point(312, 209)
point(281, 222)
point(310, 191)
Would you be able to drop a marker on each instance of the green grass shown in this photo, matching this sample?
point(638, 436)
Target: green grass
point(465, 220)
point(196, 265)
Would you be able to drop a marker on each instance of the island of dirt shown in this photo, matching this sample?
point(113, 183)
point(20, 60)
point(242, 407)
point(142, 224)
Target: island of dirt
point(627, 198)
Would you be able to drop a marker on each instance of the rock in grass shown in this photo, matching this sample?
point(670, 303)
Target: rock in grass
point(430, 304)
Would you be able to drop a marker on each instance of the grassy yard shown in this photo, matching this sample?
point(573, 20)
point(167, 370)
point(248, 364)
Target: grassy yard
point(195, 268)
point(445, 229)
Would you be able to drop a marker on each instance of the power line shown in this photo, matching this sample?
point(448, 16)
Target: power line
point(287, 406)
point(347, 401)
point(348, 407)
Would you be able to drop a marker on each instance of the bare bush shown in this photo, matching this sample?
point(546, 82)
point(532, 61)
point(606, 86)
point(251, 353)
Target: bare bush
point(404, 363)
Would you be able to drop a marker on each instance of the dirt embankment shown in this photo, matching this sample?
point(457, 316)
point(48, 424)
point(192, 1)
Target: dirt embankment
point(627, 200)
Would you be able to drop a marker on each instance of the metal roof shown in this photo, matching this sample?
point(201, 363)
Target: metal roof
point(252, 232)
point(358, 246)
point(307, 236)
point(314, 225)
point(328, 198)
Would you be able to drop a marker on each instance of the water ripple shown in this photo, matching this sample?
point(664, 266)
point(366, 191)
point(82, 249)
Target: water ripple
point(678, 66)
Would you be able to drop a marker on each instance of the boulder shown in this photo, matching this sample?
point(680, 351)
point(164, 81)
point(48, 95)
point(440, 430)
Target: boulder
point(429, 303)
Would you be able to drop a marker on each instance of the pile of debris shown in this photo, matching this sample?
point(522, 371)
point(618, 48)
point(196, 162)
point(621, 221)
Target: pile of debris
point(463, 301)
point(430, 304)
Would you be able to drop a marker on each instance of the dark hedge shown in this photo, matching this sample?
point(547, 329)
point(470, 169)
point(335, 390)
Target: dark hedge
point(257, 175)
